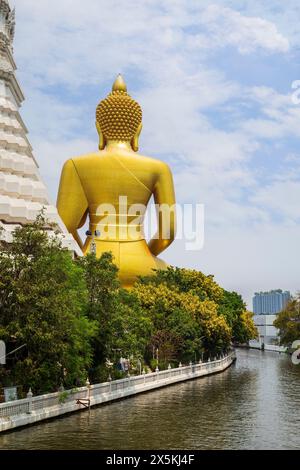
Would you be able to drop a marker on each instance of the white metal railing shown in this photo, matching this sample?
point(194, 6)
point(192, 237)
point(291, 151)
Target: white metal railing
point(44, 402)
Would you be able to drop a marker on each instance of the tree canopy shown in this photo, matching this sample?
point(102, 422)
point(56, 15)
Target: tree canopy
point(203, 317)
point(288, 322)
point(43, 300)
point(71, 317)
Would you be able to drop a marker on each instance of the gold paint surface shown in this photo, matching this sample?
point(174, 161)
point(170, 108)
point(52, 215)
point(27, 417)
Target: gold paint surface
point(91, 185)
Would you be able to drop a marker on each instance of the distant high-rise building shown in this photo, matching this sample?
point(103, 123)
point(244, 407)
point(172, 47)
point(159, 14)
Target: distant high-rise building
point(270, 303)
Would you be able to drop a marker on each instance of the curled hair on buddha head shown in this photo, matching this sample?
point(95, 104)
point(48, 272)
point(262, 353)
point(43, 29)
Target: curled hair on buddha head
point(118, 115)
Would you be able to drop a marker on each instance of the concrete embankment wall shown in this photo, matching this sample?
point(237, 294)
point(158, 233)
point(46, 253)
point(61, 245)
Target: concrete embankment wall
point(36, 409)
point(267, 347)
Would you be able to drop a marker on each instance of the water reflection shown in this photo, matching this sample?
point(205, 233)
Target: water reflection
point(253, 405)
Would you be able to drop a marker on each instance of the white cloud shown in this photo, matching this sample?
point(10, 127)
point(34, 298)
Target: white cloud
point(284, 14)
point(283, 198)
point(277, 116)
point(75, 41)
point(225, 26)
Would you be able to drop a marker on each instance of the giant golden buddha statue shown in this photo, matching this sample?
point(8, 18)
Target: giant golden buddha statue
point(114, 186)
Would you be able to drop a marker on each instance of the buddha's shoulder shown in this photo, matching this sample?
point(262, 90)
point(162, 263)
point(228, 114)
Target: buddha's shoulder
point(155, 163)
point(85, 159)
point(137, 160)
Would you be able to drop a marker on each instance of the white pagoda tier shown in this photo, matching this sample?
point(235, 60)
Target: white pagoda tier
point(22, 192)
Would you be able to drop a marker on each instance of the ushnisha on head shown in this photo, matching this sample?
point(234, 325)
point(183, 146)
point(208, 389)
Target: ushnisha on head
point(119, 117)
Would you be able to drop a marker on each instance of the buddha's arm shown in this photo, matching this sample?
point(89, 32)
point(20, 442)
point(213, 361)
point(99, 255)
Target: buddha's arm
point(164, 197)
point(72, 204)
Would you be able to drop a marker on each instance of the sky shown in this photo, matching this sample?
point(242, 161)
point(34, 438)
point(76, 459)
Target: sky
point(214, 79)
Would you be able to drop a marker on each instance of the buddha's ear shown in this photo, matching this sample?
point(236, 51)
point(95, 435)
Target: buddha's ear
point(135, 139)
point(102, 140)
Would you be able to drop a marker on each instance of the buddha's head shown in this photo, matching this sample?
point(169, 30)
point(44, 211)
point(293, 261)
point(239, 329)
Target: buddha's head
point(119, 117)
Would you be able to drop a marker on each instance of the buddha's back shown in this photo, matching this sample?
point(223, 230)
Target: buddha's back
point(107, 176)
point(113, 187)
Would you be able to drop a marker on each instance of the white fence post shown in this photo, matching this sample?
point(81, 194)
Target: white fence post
point(29, 398)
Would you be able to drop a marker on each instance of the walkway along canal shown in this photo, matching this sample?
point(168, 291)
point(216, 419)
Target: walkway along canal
point(35, 409)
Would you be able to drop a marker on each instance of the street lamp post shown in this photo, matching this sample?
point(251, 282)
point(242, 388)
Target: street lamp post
point(2, 353)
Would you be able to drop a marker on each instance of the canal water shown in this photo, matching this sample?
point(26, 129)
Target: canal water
point(253, 405)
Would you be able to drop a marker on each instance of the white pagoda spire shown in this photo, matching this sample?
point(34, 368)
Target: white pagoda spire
point(22, 192)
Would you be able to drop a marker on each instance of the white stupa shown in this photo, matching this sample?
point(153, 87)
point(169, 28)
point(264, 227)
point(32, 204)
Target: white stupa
point(22, 192)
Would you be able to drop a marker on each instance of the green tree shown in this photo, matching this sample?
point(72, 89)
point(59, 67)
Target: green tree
point(288, 322)
point(121, 323)
point(130, 327)
point(186, 333)
point(205, 316)
point(72, 315)
point(43, 298)
point(102, 283)
point(182, 318)
point(100, 276)
point(233, 309)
